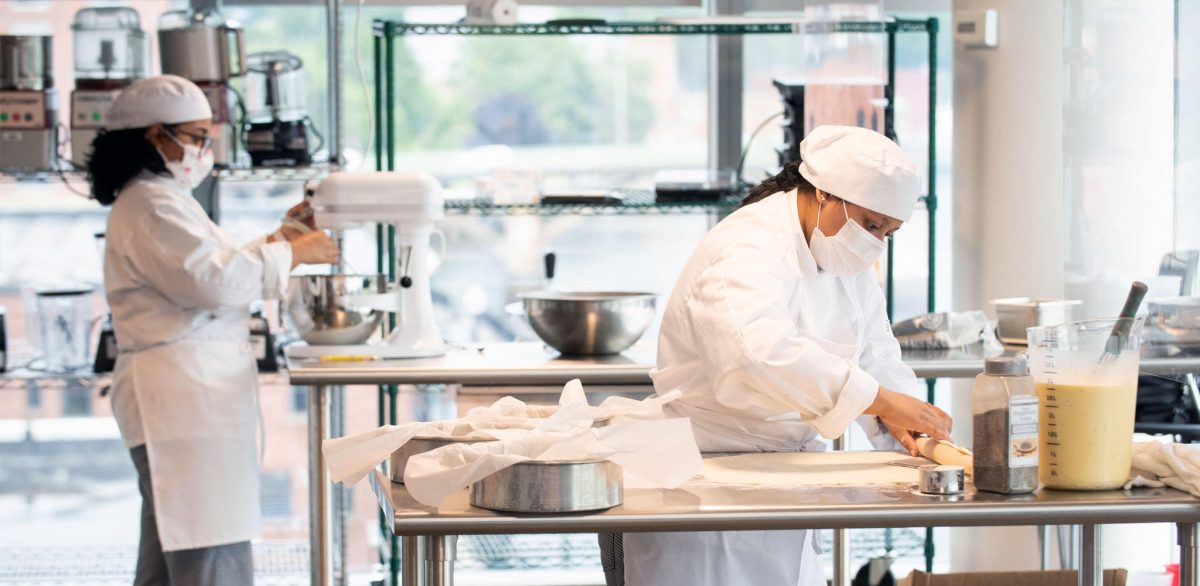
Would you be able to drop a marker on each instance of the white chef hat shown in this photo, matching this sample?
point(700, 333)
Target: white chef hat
point(862, 167)
point(166, 99)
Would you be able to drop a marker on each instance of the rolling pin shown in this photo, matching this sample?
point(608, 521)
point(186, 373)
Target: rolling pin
point(947, 453)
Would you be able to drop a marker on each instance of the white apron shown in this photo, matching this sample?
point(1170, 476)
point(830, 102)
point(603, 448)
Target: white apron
point(770, 354)
point(196, 403)
point(185, 382)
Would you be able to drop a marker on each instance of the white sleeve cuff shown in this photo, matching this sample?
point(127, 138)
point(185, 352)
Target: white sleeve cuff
point(277, 267)
point(855, 397)
point(879, 436)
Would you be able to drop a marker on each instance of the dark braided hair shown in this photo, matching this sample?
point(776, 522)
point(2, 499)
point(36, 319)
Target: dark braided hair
point(789, 178)
point(116, 157)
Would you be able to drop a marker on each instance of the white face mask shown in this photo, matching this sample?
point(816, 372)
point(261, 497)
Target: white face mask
point(193, 168)
point(849, 252)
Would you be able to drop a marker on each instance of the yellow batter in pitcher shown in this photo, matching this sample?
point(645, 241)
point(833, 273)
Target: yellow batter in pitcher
point(1086, 435)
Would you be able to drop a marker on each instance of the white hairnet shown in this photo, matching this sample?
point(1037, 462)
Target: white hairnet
point(862, 167)
point(166, 99)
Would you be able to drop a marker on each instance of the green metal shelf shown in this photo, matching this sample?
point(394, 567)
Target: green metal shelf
point(262, 174)
point(275, 174)
point(768, 27)
point(387, 32)
point(634, 202)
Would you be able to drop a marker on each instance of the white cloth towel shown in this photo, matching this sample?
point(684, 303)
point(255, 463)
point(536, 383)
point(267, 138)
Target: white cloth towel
point(1157, 464)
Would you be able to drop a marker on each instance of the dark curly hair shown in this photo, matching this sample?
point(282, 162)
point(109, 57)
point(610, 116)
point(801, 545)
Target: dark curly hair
point(789, 178)
point(117, 156)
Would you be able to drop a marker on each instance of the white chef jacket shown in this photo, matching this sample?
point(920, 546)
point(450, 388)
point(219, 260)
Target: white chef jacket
point(771, 354)
point(185, 381)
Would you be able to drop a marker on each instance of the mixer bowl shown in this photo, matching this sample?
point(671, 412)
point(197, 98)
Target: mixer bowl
point(589, 323)
point(317, 311)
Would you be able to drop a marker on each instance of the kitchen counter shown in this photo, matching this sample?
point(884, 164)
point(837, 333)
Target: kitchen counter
point(705, 506)
point(532, 363)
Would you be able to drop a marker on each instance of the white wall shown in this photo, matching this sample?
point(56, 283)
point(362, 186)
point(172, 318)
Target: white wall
point(1008, 156)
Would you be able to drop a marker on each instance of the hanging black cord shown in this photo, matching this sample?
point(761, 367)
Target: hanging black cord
point(737, 177)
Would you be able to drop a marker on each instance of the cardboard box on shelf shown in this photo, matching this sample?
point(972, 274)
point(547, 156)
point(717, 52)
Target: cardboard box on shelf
point(1051, 578)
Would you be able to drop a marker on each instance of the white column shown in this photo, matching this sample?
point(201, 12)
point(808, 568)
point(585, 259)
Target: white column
point(1008, 204)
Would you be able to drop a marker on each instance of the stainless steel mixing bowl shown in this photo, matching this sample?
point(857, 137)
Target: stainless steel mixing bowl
point(316, 308)
point(589, 323)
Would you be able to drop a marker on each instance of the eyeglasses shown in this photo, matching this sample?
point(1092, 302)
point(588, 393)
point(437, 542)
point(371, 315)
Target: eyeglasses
point(201, 140)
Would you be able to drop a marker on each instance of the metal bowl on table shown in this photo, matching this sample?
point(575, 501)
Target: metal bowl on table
point(320, 309)
point(1016, 314)
point(589, 323)
point(561, 486)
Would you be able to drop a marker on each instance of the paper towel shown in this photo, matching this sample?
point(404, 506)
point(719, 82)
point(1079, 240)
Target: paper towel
point(350, 458)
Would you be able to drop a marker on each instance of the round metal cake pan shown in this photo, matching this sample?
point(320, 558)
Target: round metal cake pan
point(565, 486)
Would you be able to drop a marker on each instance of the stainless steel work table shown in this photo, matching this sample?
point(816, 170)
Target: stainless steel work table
point(703, 506)
point(532, 364)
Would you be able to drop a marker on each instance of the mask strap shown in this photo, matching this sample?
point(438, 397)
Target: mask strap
point(173, 138)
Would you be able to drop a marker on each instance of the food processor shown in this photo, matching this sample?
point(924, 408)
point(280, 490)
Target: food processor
point(28, 104)
point(277, 132)
point(110, 54)
point(202, 46)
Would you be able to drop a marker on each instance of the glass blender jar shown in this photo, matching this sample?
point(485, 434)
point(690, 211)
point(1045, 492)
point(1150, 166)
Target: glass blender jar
point(109, 45)
point(65, 328)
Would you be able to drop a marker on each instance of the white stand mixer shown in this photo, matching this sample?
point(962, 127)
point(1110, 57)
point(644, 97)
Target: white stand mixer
point(412, 202)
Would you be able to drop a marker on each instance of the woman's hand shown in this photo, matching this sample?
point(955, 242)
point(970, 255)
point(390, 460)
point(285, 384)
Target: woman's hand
point(303, 213)
point(905, 417)
point(314, 248)
point(298, 221)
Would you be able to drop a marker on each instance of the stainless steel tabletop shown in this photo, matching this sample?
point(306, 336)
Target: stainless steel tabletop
point(510, 363)
point(531, 363)
point(703, 506)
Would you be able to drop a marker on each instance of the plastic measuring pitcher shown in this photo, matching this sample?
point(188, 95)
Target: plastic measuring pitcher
point(1086, 408)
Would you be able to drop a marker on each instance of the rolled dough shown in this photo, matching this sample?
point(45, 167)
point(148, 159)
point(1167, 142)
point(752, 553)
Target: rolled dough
point(799, 469)
point(947, 453)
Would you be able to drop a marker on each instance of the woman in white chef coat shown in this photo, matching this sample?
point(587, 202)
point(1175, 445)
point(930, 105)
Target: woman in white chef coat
point(777, 335)
point(184, 389)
